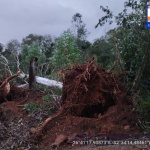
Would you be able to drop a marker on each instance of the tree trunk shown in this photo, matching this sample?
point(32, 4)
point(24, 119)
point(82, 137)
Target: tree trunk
point(44, 81)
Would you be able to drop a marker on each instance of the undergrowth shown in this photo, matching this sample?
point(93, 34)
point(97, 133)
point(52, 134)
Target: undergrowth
point(143, 109)
point(14, 133)
point(51, 102)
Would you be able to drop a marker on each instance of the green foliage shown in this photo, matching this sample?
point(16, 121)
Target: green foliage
point(47, 105)
point(101, 48)
point(30, 51)
point(11, 53)
point(135, 17)
point(44, 42)
point(145, 127)
point(41, 47)
point(133, 37)
point(145, 104)
point(66, 51)
point(131, 50)
point(57, 91)
point(47, 97)
point(144, 112)
point(32, 106)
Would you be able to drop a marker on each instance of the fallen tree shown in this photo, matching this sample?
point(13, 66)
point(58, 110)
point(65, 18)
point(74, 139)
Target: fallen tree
point(43, 81)
point(40, 80)
point(90, 91)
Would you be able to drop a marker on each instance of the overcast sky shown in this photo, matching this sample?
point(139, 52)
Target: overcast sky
point(18, 18)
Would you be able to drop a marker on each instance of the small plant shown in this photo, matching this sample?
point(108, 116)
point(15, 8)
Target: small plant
point(47, 97)
point(144, 112)
point(47, 102)
point(144, 126)
point(32, 106)
point(54, 98)
point(58, 91)
point(48, 106)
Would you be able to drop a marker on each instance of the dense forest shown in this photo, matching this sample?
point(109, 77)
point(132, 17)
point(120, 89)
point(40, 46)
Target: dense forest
point(128, 44)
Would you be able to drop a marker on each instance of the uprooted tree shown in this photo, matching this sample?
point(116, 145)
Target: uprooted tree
point(90, 91)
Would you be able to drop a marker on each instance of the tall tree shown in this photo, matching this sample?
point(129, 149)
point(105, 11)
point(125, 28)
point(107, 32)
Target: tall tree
point(45, 43)
point(13, 46)
point(79, 27)
point(134, 44)
point(31, 51)
point(12, 52)
point(81, 34)
point(102, 49)
point(66, 51)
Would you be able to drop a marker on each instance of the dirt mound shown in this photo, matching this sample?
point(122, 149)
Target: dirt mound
point(91, 91)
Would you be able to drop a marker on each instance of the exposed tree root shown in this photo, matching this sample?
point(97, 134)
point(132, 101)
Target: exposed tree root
point(5, 85)
point(90, 91)
point(37, 132)
point(59, 140)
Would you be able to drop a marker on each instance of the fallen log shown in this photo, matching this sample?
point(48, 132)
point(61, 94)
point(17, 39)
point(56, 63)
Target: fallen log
point(44, 81)
point(39, 80)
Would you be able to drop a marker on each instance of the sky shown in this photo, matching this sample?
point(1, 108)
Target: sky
point(19, 18)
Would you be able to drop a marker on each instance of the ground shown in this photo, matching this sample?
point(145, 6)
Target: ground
point(94, 112)
point(16, 123)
